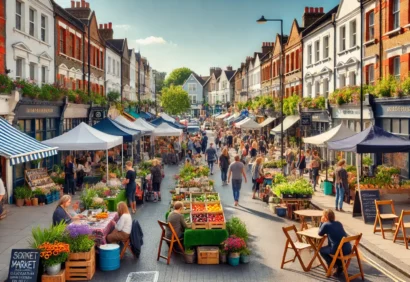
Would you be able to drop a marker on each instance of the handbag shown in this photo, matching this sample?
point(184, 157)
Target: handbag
point(260, 180)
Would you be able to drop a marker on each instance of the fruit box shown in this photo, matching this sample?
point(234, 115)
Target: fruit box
point(198, 197)
point(208, 255)
point(203, 224)
point(212, 197)
point(198, 207)
point(216, 220)
point(209, 207)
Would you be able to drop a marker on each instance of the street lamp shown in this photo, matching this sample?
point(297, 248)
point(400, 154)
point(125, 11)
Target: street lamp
point(361, 64)
point(262, 20)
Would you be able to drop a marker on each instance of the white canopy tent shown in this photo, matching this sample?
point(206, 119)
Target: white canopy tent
point(125, 122)
point(143, 123)
point(287, 123)
point(222, 116)
point(231, 117)
point(337, 133)
point(238, 124)
point(167, 117)
point(84, 137)
point(164, 129)
point(250, 124)
point(267, 121)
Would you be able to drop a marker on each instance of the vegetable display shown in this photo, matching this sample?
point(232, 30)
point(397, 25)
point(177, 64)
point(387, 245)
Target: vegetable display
point(201, 217)
point(215, 217)
point(212, 197)
point(198, 207)
point(213, 207)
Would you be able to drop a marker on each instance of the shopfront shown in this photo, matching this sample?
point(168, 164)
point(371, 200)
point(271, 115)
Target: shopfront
point(74, 114)
point(96, 114)
point(393, 114)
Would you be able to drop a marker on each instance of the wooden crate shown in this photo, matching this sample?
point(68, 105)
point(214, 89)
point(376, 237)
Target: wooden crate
point(208, 255)
point(194, 195)
point(60, 277)
point(213, 203)
point(80, 270)
point(217, 225)
point(81, 256)
point(199, 225)
point(198, 203)
point(212, 193)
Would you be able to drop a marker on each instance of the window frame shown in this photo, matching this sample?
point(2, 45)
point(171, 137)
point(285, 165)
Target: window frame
point(309, 54)
point(395, 14)
point(43, 74)
point(317, 51)
point(19, 16)
point(32, 22)
point(326, 47)
point(191, 87)
point(43, 33)
point(370, 25)
point(396, 60)
point(62, 40)
point(370, 74)
point(353, 33)
point(342, 46)
point(19, 69)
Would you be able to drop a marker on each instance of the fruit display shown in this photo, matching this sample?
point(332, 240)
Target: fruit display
point(200, 217)
point(218, 217)
point(198, 198)
point(213, 208)
point(102, 215)
point(198, 207)
point(212, 197)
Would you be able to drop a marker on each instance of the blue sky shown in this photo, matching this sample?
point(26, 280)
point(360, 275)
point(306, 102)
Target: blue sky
point(198, 34)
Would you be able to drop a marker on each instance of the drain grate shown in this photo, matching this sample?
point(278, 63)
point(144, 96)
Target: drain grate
point(143, 276)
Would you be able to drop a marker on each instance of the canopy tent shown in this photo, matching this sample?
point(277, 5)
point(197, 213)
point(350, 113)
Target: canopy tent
point(337, 133)
point(19, 147)
point(111, 127)
point(215, 115)
point(161, 120)
point(239, 123)
point(231, 117)
point(238, 119)
point(222, 116)
point(250, 124)
point(167, 117)
point(287, 123)
point(125, 122)
point(267, 121)
point(144, 115)
point(143, 123)
point(371, 140)
point(164, 129)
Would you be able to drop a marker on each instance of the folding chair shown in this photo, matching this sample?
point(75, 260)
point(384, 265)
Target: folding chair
point(382, 216)
point(402, 226)
point(295, 246)
point(345, 259)
point(126, 246)
point(174, 239)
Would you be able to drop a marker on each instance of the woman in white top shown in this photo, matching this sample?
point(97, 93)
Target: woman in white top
point(122, 228)
point(2, 194)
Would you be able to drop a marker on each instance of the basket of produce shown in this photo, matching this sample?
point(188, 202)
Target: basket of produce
point(212, 197)
point(199, 221)
point(216, 220)
point(197, 197)
point(213, 207)
point(101, 215)
point(198, 207)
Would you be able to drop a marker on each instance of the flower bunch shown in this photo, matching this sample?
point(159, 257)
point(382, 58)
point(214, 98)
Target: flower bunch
point(75, 230)
point(233, 244)
point(49, 250)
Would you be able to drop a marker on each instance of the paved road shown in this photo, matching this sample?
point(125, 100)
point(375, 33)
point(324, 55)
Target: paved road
point(267, 243)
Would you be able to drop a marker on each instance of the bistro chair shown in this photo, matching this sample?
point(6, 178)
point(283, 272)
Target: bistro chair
point(346, 259)
point(174, 239)
point(297, 246)
point(383, 216)
point(402, 226)
point(126, 246)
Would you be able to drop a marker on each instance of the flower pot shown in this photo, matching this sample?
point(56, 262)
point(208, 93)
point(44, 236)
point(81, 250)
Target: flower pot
point(53, 269)
point(19, 202)
point(233, 259)
point(41, 199)
point(27, 202)
point(281, 211)
point(245, 258)
point(222, 258)
point(34, 202)
point(112, 175)
point(189, 258)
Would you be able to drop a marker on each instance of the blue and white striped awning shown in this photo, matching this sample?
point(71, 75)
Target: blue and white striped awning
point(19, 147)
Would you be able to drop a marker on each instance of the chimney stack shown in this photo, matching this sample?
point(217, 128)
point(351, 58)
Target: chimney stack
point(229, 68)
point(82, 3)
point(311, 15)
point(105, 26)
point(101, 26)
point(78, 4)
point(72, 4)
point(79, 9)
point(106, 31)
point(266, 47)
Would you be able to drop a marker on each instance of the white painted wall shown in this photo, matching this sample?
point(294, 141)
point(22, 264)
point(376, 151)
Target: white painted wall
point(255, 78)
point(112, 71)
point(133, 74)
point(225, 90)
point(30, 49)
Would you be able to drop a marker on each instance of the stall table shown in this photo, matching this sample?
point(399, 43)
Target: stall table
point(297, 203)
point(316, 241)
point(113, 202)
point(313, 214)
point(202, 237)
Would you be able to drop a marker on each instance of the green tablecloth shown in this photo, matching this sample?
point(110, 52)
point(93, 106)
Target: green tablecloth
point(113, 202)
point(201, 237)
point(92, 179)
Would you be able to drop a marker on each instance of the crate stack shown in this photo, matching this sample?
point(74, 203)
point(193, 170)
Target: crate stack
point(207, 211)
point(80, 266)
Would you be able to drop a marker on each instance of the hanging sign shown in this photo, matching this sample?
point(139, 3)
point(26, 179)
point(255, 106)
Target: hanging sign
point(305, 120)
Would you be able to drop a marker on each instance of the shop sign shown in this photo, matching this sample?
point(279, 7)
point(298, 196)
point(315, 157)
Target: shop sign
point(392, 110)
point(38, 111)
point(320, 117)
point(351, 113)
point(24, 265)
point(306, 120)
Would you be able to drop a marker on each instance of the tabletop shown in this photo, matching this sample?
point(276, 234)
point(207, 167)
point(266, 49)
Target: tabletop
point(309, 213)
point(311, 233)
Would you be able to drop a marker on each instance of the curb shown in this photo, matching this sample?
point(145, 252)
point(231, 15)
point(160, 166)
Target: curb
point(386, 258)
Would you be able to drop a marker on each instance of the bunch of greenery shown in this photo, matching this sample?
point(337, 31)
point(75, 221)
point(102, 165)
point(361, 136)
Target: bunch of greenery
point(290, 104)
point(345, 95)
point(113, 96)
point(6, 84)
point(21, 192)
point(237, 227)
point(78, 237)
point(387, 87)
point(318, 102)
point(299, 187)
point(87, 197)
point(55, 233)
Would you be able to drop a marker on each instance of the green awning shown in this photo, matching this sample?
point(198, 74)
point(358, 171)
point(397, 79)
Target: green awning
point(133, 113)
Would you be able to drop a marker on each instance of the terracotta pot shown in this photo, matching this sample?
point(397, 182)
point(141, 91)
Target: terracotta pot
point(19, 202)
point(27, 202)
point(34, 202)
point(112, 175)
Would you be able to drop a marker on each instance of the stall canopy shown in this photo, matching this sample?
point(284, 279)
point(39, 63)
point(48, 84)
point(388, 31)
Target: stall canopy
point(164, 129)
point(143, 123)
point(111, 127)
point(167, 117)
point(161, 120)
point(144, 115)
point(250, 124)
point(371, 140)
point(239, 123)
point(19, 147)
point(84, 137)
point(231, 117)
point(287, 123)
point(222, 116)
point(337, 133)
point(239, 119)
point(267, 121)
point(125, 122)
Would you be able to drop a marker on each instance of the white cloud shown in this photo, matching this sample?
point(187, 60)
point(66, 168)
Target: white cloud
point(122, 26)
point(153, 40)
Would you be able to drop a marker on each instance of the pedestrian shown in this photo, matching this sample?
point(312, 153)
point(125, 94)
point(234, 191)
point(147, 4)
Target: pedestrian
point(69, 171)
point(235, 171)
point(335, 233)
point(341, 184)
point(308, 158)
point(217, 146)
point(80, 173)
point(254, 152)
point(224, 163)
point(197, 145)
point(230, 140)
point(177, 148)
point(156, 179)
point(301, 164)
point(211, 157)
point(257, 175)
point(204, 143)
point(315, 163)
point(262, 146)
point(130, 186)
point(290, 158)
point(2, 194)
point(190, 145)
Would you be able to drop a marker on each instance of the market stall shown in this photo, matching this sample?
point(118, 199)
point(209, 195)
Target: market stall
point(249, 124)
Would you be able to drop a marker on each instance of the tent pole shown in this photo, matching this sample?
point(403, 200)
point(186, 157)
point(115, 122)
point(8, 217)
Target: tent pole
point(122, 159)
point(358, 177)
point(106, 154)
point(327, 164)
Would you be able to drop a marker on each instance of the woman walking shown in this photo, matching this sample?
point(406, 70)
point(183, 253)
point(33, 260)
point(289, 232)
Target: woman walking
point(69, 172)
point(308, 158)
point(257, 174)
point(301, 165)
point(315, 163)
point(156, 178)
point(130, 186)
point(224, 165)
point(341, 184)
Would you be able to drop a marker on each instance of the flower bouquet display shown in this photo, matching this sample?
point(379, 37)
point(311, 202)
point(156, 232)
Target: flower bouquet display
point(81, 244)
point(52, 255)
point(233, 245)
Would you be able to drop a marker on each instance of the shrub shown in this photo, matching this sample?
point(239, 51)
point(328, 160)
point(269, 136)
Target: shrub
point(113, 96)
point(236, 227)
point(6, 84)
point(386, 87)
point(290, 104)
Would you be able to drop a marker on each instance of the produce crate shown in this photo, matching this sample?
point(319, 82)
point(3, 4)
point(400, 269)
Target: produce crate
point(199, 225)
point(79, 270)
point(210, 204)
point(217, 200)
point(193, 209)
point(216, 224)
point(194, 197)
point(60, 277)
point(208, 255)
point(82, 256)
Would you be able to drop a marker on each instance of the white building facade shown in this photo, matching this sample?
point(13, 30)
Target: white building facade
point(254, 77)
point(30, 40)
point(133, 75)
point(225, 89)
point(112, 71)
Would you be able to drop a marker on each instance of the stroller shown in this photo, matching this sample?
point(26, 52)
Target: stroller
point(147, 186)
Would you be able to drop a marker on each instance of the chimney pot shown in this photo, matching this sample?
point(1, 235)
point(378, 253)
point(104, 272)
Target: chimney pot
point(101, 26)
point(87, 5)
point(306, 9)
point(105, 26)
point(110, 25)
point(82, 3)
point(311, 10)
point(316, 10)
point(77, 4)
point(321, 10)
point(72, 4)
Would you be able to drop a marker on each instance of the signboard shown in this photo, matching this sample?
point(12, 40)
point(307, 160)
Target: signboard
point(38, 111)
point(24, 264)
point(393, 111)
point(352, 113)
point(320, 117)
point(366, 207)
point(305, 120)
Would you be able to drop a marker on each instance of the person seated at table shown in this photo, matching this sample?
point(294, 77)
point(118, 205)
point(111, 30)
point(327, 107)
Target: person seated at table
point(61, 213)
point(176, 219)
point(123, 227)
point(335, 233)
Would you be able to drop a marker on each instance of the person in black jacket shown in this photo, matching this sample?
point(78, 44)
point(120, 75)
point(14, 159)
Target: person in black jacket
point(301, 164)
point(224, 165)
point(69, 176)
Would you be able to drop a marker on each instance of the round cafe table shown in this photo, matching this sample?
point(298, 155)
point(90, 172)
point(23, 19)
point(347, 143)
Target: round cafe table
point(315, 215)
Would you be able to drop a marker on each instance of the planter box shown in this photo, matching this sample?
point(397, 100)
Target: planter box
point(288, 196)
point(60, 277)
point(81, 256)
point(49, 199)
point(397, 195)
point(208, 255)
point(80, 269)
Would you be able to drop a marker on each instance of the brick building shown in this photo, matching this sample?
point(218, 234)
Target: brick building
point(266, 70)
point(238, 84)
point(293, 61)
point(276, 64)
point(2, 36)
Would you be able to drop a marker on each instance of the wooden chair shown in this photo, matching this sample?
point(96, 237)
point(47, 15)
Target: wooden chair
point(402, 226)
point(174, 239)
point(383, 216)
point(126, 246)
point(346, 259)
point(297, 247)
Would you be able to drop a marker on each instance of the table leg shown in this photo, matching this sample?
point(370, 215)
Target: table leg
point(303, 224)
point(316, 254)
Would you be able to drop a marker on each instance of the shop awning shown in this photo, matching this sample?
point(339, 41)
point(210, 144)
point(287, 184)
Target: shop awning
point(144, 123)
point(337, 133)
point(111, 127)
point(133, 114)
point(238, 119)
point(164, 129)
point(250, 124)
point(267, 121)
point(287, 123)
point(239, 123)
point(161, 120)
point(19, 147)
point(145, 115)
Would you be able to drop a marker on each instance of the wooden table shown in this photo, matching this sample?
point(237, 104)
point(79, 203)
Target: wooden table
point(315, 215)
point(316, 241)
point(293, 201)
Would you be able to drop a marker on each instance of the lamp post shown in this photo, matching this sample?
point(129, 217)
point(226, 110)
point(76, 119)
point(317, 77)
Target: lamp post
point(262, 20)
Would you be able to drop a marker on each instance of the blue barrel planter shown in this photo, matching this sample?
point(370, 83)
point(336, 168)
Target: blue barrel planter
point(281, 211)
point(109, 257)
point(327, 188)
point(233, 259)
point(49, 199)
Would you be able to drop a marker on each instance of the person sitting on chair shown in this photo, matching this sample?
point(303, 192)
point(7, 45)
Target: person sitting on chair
point(335, 233)
point(176, 219)
point(123, 227)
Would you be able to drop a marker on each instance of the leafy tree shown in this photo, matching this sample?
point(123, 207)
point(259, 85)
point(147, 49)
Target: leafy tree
point(175, 100)
point(159, 80)
point(113, 96)
point(177, 77)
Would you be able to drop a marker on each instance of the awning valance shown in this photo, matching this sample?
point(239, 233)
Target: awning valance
point(222, 116)
point(287, 123)
point(19, 147)
point(267, 121)
point(239, 123)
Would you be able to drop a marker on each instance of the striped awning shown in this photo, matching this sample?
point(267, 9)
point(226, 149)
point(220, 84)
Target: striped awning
point(19, 147)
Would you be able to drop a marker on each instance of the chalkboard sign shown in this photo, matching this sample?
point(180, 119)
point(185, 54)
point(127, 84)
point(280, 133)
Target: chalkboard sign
point(366, 207)
point(24, 265)
point(306, 120)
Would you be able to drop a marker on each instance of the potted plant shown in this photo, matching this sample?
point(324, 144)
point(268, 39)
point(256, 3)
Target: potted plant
point(19, 194)
point(222, 255)
point(34, 198)
point(27, 196)
point(41, 196)
point(234, 245)
point(53, 255)
point(245, 253)
point(189, 255)
point(81, 245)
point(237, 227)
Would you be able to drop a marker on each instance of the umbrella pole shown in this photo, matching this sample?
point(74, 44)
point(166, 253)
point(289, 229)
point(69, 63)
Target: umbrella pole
point(327, 164)
point(106, 154)
point(122, 159)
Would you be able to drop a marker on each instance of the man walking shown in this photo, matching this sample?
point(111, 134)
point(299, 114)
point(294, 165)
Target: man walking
point(290, 158)
point(204, 142)
point(211, 157)
point(236, 171)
